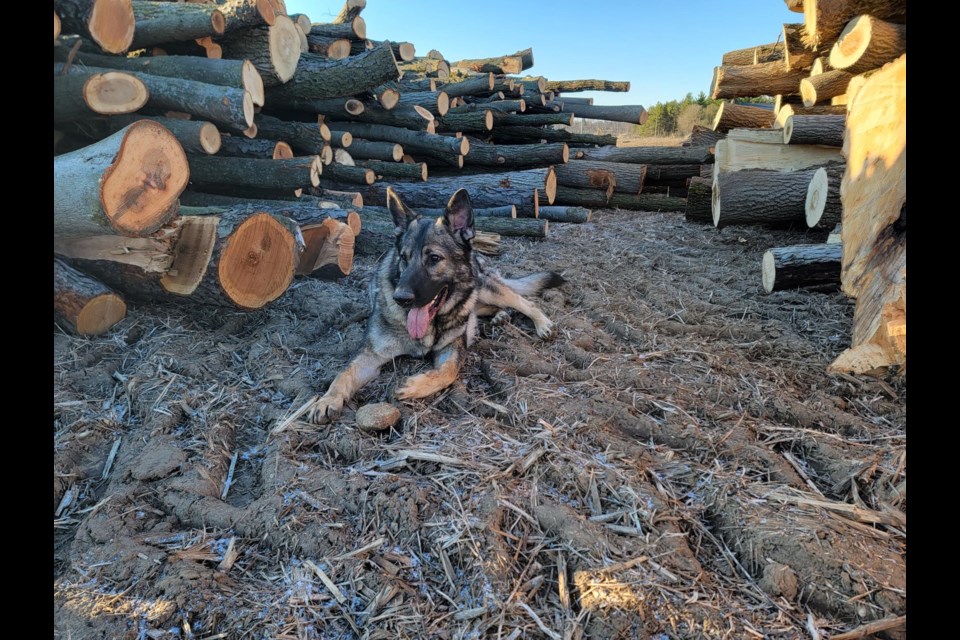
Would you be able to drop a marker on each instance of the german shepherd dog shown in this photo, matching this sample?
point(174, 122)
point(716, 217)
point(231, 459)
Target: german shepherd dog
point(426, 296)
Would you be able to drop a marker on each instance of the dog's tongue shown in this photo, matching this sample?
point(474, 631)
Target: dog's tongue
point(418, 320)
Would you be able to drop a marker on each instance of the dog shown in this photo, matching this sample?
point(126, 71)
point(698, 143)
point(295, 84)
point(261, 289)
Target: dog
point(426, 296)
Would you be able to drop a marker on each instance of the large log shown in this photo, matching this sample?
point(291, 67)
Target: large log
point(818, 88)
point(337, 173)
point(415, 171)
point(572, 86)
point(817, 129)
point(874, 237)
point(471, 121)
point(634, 114)
point(789, 110)
point(769, 52)
point(160, 22)
point(425, 67)
point(671, 175)
point(504, 119)
point(521, 135)
point(868, 43)
point(702, 137)
point(797, 55)
point(513, 63)
point(699, 200)
point(262, 148)
point(226, 106)
point(521, 156)
point(82, 305)
point(738, 57)
point(332, 48)
point(302, 136)
point(622, 177)
point(412, 141)
point(195, 136)
point(240, 74)
point(89, 94)
point(596, 199)
point(823, 205)
point(273, 50)
point(480, 84)
point(244, 14)
point(127, 183)
point(351, 9)
point(565, 214)
point(769, 78)
point(375, 150)
point(404, 51)
point(291, 174)
point(109, 23)
point(319, 77)
point(736, 155)
point(651, 155)
point(436, 102)
point(411, 117)
point(737, 116)
point(758, 196)
point(507, 211)
point(354, 30)
point(824, 20)
point(805, 265)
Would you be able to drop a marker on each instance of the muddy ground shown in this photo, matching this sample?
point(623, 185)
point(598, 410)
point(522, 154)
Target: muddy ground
point(675, 463)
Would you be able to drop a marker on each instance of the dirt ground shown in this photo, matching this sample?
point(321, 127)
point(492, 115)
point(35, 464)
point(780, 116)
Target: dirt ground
point(675, 463)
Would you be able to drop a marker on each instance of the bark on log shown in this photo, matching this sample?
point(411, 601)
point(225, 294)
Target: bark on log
point(597, 200)
point(303, 210)
point(760, 197)
point(351, 9)
point(797, 55)
point(789, 110)
point(513, 63)
point(81, 304)
point(738, 57)
point(476, 121)
point(565, 214)
point(127, 183)
point(874, 196)
point(354, 30)
point(295, 173)
point(410, 117)
point(520, 135)
point(672, 175)
point(736, 155)
point(337, 173)
point(521, 156)
point(246, 14)
point(412, 141)
point(375, 150)
point(702, 137)
point(89, 94)
point(572, 86)
point(109, 23)
point(816, 89)
point(160, 22)
point(274, 50)
point(868, 43)
point(302, 136)
point(436, 102)
point(195, 136)
point(318, 77)
point(416, 171)
point(699, 196)
point(502, 119)
point(651, 155)
point(402, 51)
point(610, 177)
point(826, 130)
point(805, 265)
point(737, 116)
point(823, 205)
point(481, 84)
point(769, 52)
point(634, 114)
point(508, 211)
point(332, 48)
point(824, 20)
point(258, 148)
point(425, 67)
point(768, 78)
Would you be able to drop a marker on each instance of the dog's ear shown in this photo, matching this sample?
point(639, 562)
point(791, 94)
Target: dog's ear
point(402, 214)
point(458, 216)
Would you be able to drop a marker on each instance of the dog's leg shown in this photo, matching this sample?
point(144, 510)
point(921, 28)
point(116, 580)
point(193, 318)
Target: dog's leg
point(359, 372)
point(504, 296)
point(447, 366)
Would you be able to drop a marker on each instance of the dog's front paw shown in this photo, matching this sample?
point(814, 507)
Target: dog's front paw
point(545, 328)
point(325, 410)
point(418, 386)
point(501, 317)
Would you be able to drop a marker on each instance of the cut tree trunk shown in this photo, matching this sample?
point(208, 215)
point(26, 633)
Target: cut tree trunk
point(521, 156)
point(274, 50)
point(826, 129)
point(816, 89)
point(302, 20)
point(415, 171)
point(294, 173)
point(804, 265)
point(824, 20)
point(738, 57)
point(195, 136)
point(699, 197)
point(318, 77)
point(258, 148)
point(127, 183)
point(337, 173)
point(304, 210)
point(651, 155)
point(736, 155)
point(351, 9)
point(412, 141)
point(874, 195)
point(565, 214)
point(362, 149)
point(598, 200)
point(634, 114)
point(573, 86)
point(476, 121)
point(757, 196)
point(332, 48)
point(329, 248)
point(868, 43)
point(797, 55)
point(353, 30)
point(160, 22)
point(823, 205)
point(302, 136)
point(245, 14)
point(513, 63)
point(768, 78)
point(402, 51)
point(789, 110)
point(436, 102)
point(109, 23)
point(766, 136)
point(481, 84)
point(520, 135)
point(611, 177)
point(738, 116)
point(501, 119)
point(240, 74)
point(403, 116)
point(670, 175)
point(82, 305)
point(426, 67)
point(769, 52)
point(89, 94)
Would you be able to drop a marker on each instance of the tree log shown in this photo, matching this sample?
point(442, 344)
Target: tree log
point(768, 78)
point(789, 110)
point(332, 48)
point(258, 148)
point(436, 102)
point(412, 141)
point(318, 77)
point(824, 20)
point(476, 121)
point(302, 136)
point(521, 156)
point(804, 265)
point(425, 67)
point(736, 116)
point(82, 305)
point(274, 50)
point(415, 171)
point(245, 14)
point(597, 200)
point(572, 86)
point(634, 114)
point(402, 51)
point(738, 57)
point(651, 155)
point(757, 196)
point(521, 135)
point(699, 207)
point(89, 94)
point(868, 43)
point(823, 205)
point(820, 88)
point(127, 183)
point(375, 150)
point(565, 214)
point(769, 52)
point(736, 155)
point(825, 130)
point(502, 119)
point(513, 63)
point(702, 137)
point(337, 173)
point(160, 22)
point(621, 177)
point(109, 23)
point(797, 55)
point(351, 9)
point(508, 211)
point(295, 173)
point(671, 175)
point(329, 247)
point(481, 84)
point(354, 30)
point(411, 117)
point(195, 136)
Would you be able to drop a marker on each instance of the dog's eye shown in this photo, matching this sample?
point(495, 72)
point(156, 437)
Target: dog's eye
point(433, 258)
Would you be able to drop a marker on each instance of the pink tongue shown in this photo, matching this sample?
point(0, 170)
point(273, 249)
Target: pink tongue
point(418, 319)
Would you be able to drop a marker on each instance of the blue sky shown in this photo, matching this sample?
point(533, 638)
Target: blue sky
point(664, 48)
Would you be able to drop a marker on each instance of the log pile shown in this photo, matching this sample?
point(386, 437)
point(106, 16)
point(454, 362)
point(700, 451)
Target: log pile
point(831, 153)
point(216, 150)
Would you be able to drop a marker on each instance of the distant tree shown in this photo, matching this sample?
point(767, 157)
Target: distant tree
point(689, 116)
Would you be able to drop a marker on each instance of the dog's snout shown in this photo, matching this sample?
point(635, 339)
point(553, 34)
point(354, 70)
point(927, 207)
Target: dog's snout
point(403, 297)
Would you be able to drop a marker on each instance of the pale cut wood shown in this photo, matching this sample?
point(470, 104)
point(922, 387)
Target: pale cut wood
point(868, 43)
point(273, 50)
point(807, 265)
point(738, 57)
point(333, 48)
point(819, 88)
point(81, 304)
point(739, 116)
point(109, 23)
point(824, 20)
point(769, 78)
point(823, 205)
point(351, 9)
point(737, 155)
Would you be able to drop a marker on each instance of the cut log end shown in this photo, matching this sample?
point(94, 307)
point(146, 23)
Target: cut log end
point(248, 109)
point(550, 185)
point(566, 153)
point(267, 12)
point(100, 314)
point(210, 139)
point(139, 191)
point(464, 146)
point(285, 47)
point(443, 103)
point(197, 239)
point(316, 169)
point(112, 24)
point(353, 106)
point(407, 51)
point(115, 93)
point(715, 204)
point(816, 197)
point(253, 83)
point(56, 25)
point(282, 151)
point(768, 271)
point(258, 262)
point(389, 98)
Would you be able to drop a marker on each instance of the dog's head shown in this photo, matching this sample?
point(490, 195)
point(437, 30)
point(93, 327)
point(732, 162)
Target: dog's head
point(434, 259)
